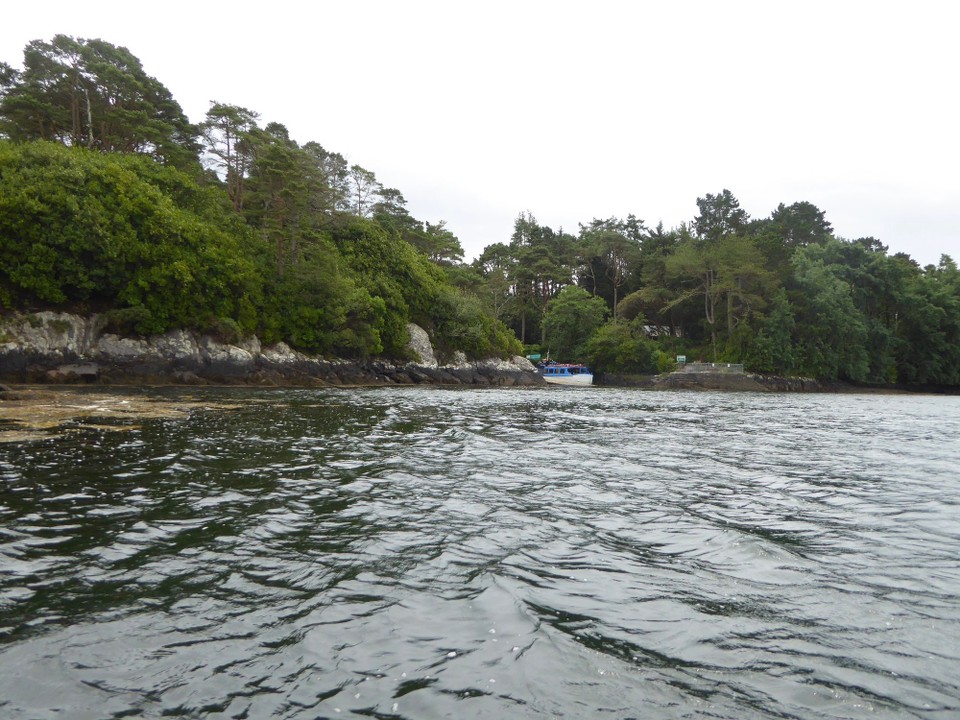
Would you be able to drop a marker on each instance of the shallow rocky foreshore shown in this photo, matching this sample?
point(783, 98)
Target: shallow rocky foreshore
point(718, 381)
point(743, 382)
point(53, 347)
point(748, 382)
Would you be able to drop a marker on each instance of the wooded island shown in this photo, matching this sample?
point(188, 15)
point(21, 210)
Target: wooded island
point(113, 202)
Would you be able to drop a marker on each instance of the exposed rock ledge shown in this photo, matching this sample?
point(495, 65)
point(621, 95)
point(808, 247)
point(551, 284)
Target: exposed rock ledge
point(746, 382)
point(47, 347)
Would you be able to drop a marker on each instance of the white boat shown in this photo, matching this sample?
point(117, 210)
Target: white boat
point(561, 374)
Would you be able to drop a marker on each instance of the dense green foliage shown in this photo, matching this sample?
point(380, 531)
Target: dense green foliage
point(111, 201)
point(83, 229)
point(105, 205)
point(89, 93)
point(623, 347)
point(571, 318)
point(783, 295)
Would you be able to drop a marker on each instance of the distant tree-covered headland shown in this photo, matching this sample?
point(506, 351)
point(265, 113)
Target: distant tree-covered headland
point(112, 201)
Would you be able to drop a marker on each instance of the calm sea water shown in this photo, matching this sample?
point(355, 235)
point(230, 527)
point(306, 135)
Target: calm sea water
point(434, 553)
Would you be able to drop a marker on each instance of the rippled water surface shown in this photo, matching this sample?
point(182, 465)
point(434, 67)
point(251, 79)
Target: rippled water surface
point(434, 553)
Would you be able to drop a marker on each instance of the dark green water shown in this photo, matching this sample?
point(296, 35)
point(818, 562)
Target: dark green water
point(431, 553)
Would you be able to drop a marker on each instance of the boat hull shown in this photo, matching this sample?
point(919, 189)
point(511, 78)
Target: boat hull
point(566, 374)
point(580, 380)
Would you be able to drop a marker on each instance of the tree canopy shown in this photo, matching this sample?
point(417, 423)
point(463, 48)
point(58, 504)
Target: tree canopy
point(112, 201)
point(89, 93)
point(781, 294)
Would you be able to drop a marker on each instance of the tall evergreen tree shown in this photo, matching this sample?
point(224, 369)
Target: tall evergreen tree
point(228, 134)
point(89, 93)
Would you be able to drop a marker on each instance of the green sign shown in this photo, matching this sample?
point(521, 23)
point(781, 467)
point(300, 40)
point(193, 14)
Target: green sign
point(535, 356)
point(681, 358)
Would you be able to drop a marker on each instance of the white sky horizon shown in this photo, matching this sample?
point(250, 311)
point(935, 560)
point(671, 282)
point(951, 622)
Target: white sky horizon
point(478, 112)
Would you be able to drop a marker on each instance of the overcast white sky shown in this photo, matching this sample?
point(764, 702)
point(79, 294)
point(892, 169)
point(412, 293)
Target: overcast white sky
point(575, 110)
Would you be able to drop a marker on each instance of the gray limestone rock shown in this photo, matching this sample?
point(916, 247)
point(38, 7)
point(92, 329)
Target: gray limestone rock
point(60, 347)
point(118, 348)
point(177, 345)
point(420, 346)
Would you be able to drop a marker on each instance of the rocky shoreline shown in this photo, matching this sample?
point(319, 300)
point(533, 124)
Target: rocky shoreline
point(748, 382)
point(745, 382)
point(51, 347)
point(47, 347)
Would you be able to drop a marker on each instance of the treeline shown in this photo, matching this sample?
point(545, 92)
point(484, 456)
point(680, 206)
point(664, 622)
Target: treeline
point(781, 294)
point(112, 201)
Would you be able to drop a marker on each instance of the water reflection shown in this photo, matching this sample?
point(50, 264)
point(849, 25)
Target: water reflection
point(471, 553)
